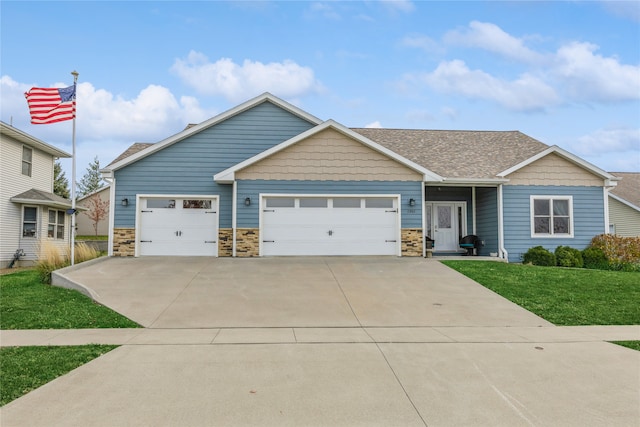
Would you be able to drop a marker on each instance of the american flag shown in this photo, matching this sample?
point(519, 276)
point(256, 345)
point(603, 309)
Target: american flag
point(51, 105)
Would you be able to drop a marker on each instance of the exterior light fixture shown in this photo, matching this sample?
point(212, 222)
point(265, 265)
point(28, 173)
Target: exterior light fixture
point(125, 202)
point(412, 202)
point(247, 201)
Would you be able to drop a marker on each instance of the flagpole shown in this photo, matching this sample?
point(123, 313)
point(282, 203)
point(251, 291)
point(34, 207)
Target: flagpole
point(73, 174)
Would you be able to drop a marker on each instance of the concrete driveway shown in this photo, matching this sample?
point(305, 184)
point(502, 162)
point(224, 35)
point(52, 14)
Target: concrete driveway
point(326, 342)
point(296, 292)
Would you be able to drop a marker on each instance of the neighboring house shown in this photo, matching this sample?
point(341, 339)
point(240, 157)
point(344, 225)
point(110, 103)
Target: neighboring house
point(266, 179)
point(85, 225)
point(30, 213)
point(624, 205)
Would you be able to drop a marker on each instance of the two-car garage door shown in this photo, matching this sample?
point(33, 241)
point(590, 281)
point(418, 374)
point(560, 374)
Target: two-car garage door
point(334, 225)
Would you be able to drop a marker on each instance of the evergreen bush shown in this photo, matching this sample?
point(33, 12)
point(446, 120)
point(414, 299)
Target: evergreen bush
point(567, 256)
point(539, 256)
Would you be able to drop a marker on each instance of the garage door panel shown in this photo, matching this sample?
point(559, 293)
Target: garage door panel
point(178, 227)
point(331, 231)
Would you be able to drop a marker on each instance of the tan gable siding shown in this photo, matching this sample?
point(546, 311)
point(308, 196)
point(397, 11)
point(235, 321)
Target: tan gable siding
point(554, 170)
point(329, 155)
point(625, 219)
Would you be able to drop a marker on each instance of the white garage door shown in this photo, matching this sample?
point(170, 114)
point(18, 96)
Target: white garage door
point(330, 226)
point(178, 226)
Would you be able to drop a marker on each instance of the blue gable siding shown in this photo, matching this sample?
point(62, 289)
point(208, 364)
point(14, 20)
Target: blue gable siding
point(248, 216)
point(588, 218)
point(487, 219)
point(188, 166)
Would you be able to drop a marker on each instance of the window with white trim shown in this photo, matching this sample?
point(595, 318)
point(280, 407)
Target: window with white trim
point(29, 221)
point(55, 228)
point(551, 216)
point(27, 160)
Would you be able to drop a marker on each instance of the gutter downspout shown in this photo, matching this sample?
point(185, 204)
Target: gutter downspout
point(424, 221)
point(503, 252)
point(607, 224)
point(112, 213)
point(234, 200)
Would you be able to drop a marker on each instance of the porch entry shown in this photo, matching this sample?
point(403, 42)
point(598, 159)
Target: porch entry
point(446, 224)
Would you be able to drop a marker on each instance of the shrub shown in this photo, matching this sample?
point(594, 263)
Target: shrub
point(568, 257)
point(622, 253)
point(539, 256)
point(595, 259)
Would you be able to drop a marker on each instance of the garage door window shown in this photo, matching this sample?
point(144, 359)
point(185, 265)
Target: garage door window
point(346, 202)
point(161, 203)
point(196, 204)
point(314, 202)
point(281, 202)
point(379, 203)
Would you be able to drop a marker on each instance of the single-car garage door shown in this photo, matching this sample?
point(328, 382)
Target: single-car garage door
point(334, 225)
point(178, 226)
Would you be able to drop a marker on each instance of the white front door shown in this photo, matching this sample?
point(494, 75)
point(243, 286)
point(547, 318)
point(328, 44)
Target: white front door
point(448, 224)
point(178, 226)
point(330, 225)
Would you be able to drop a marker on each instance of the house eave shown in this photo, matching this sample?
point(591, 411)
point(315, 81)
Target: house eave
point(624, 202)
point(27, 139)
point(490, 182)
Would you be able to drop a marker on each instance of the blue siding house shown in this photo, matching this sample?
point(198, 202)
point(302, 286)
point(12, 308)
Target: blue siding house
point(267, 179)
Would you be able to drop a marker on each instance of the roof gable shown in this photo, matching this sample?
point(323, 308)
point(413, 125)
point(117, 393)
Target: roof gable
point(609, 179)
point(229, 175)
point(192, 130)
point(628, 188)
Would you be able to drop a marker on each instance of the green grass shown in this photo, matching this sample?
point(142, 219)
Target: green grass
point(25, 303)
point(23, 369)
point(563, 296)
point(91, 237)
point(630, 344)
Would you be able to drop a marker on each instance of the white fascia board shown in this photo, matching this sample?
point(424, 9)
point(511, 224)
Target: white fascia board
point(213, 121)
point(566, 155)
point(32, 141)
point(474, 181)
point(228, 175)
point(624, 202)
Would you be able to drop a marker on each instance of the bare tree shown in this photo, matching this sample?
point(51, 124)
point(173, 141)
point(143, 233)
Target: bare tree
point(98, 210)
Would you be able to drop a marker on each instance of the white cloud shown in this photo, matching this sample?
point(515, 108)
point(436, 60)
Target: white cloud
point(404, 6)
point(624, 9)
point(374, 125)
point(587, 76)
point(618, 140)
point(153, 113)
point(527, 93)
point(422, 42)
point(490, 37)
point(240, 82)
point(325, 10)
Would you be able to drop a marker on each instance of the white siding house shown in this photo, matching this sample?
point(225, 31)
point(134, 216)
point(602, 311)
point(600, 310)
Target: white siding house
point(84, 225)
point(624, 205)
point(30, 213)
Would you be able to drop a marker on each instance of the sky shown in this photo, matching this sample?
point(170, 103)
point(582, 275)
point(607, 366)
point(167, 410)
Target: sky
point(565, 73)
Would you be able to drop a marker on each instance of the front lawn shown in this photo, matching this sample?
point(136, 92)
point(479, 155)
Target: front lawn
point(563, 296)
point(23, 369)
point(26, 303)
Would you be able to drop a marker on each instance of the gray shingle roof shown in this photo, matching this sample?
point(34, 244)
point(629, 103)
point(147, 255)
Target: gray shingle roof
point(628, 187)
point(39, 197)
point(133, 149)
point(458, 154)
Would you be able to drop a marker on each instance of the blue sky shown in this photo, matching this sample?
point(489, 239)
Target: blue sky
point(565, 73)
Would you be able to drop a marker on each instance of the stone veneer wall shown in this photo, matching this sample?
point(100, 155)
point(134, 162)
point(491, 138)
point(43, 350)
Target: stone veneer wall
point(247, 242)
point(124, 242)
point(225, 242)
point(411, 242)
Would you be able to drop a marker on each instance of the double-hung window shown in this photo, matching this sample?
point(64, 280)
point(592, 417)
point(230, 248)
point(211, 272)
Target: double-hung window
point(551, 216)
point(55, 228)
point(27, 160)
point(29, 221)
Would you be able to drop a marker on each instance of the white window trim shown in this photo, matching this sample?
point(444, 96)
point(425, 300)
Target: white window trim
point(56, 224)
point(550, 235)
point(23, 161)
point(37, 232)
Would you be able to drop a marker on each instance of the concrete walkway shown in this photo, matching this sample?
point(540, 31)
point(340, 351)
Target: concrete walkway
point(414, 344)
